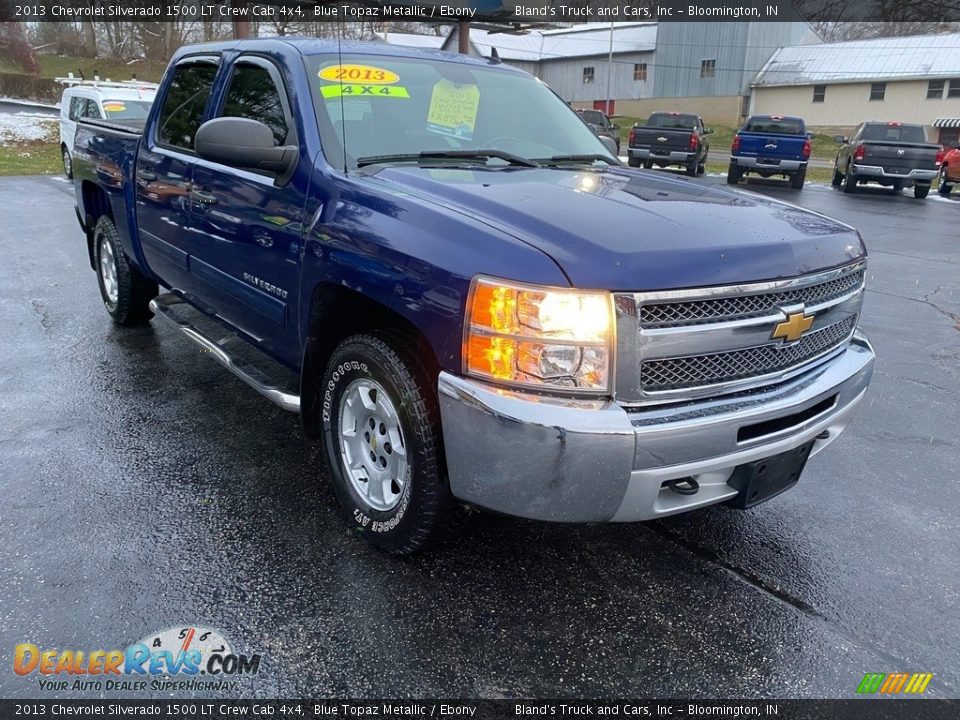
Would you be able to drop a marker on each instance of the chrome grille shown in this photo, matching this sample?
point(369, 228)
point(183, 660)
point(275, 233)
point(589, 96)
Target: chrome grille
point(699, 312)
point(755, 362)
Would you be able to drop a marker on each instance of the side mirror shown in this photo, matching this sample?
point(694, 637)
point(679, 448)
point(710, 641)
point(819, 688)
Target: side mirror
point(708, 131)
point(840, 139)
point(245, 144)
point(614, 127)
point(811, 136)
point(610, 144)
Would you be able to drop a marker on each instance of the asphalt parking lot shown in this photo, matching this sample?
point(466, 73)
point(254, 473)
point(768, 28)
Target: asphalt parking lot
point(143, 487)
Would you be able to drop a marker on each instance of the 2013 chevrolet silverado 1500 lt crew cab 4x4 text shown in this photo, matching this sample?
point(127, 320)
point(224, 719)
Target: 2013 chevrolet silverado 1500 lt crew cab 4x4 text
point(471, 305)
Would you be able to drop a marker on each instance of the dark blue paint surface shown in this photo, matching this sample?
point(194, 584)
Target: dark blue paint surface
point(411, 238)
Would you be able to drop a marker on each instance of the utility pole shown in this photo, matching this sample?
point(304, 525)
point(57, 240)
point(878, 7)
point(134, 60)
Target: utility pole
point(463, 37)
point(610, 71)
point(241, 28)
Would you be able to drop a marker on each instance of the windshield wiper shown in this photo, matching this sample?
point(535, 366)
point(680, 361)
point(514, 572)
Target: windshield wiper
point(509, 158)
point(558, 159)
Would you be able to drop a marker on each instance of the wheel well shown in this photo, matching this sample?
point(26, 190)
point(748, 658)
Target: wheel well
point(336, 313)
point(95, 204)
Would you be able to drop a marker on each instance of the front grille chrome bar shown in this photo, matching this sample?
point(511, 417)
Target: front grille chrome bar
point(682, 345)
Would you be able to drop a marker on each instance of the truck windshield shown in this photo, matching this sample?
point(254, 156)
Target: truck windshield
point(126, 109)
point(894, 133)
point(774, 126)
point(371, 106)
point(593, 116)
point(670, 121)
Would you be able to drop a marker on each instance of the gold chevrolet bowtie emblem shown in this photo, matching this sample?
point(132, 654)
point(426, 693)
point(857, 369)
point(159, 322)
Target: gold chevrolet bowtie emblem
point(793, 327)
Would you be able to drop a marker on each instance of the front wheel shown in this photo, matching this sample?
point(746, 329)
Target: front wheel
point(837, 177)
point(944, 187)
point(67, 163)
point(382, 435)
point(921, 191)
point(125, 291)
point(702, 167)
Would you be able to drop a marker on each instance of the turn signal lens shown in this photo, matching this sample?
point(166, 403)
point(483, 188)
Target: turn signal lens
point(539, 337)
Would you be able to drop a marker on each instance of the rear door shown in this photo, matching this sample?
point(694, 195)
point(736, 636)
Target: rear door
point(244, 228)
point(165, 167)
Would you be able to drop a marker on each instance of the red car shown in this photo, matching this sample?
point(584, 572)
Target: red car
point(949, 170)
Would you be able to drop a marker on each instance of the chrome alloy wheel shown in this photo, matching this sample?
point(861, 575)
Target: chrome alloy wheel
point(372, 448)
point(108, 270)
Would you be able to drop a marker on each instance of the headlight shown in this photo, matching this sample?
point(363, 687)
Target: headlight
point(540, 337)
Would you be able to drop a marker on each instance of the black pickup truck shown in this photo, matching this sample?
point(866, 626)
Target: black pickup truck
point(892, 154)
point(670, 138)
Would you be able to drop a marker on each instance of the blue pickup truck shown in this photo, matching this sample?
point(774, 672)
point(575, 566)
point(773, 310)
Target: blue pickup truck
point(769, 145)
point(467, 305)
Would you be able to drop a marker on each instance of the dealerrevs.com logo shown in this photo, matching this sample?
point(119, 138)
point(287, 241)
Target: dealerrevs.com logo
point(181, 658)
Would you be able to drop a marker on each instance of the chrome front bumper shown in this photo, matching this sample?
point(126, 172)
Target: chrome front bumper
point(876, 171)
point(596, 461)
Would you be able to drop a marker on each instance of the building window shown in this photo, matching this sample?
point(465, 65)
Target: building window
point(954, 90)
point(708, 68)
point(588, 75)
point(819, 93)
point(877, 91)
point(935, 89)
point(639, 72)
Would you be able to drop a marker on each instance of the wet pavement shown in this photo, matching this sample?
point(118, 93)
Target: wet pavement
point(143, 487)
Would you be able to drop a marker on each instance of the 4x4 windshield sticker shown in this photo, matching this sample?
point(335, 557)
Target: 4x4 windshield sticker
point(366, 74)
point(370, 91)
point(453, 109)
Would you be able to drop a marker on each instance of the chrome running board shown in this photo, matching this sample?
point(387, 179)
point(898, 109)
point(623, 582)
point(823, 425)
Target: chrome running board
point(268, 377)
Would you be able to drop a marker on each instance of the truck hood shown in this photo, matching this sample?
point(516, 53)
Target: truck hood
point(619, 229)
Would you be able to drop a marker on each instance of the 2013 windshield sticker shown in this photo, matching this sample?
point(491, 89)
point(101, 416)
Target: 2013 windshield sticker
point(370, 91)
point(366, 74)
point(114, 107)
point(453, 109)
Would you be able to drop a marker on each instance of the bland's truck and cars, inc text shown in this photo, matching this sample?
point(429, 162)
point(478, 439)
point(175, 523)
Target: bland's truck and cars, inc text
point(470, 305)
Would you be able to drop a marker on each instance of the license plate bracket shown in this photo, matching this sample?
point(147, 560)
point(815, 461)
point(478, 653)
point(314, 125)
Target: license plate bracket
point(761, 480)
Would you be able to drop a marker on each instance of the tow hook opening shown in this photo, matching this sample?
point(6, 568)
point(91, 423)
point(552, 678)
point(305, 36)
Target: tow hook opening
point(683, 486)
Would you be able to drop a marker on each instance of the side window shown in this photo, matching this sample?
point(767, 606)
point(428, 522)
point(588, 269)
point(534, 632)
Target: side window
point(76, 108)
point(93, 110)
point(253, 94)
point(182, 111)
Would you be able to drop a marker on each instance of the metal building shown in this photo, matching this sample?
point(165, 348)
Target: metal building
point(839, 85)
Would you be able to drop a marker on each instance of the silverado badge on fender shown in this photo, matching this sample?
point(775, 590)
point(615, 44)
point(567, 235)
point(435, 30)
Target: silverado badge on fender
point(793, 327)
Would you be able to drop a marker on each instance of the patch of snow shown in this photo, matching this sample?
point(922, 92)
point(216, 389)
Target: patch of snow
point(25, 127)
point(30, 103)
point(934, 195)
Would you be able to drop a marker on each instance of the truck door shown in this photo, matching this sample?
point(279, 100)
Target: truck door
point(244, 229)
point(164, 169)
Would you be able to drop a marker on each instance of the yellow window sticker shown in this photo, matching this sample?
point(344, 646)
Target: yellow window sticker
point(367, 74)
point(114, 106)
point(453, 109)
point(367, 91)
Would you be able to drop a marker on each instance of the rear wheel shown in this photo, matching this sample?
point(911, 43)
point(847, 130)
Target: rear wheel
point(921, 191)
point(382, 435)
point(849, 182)
point(648, 164)
point(633, 162)
point(67, 162)
point(691, 167)
point(897, 186)
point(125, 291)
point(733, 174)
point(796, 181)
point(837, 177)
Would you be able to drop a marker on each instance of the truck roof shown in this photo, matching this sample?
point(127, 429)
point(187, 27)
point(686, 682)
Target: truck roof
point(308, 46)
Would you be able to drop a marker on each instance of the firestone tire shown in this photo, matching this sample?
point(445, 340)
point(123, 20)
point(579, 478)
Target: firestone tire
point(381, 432)
point(125, 291)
